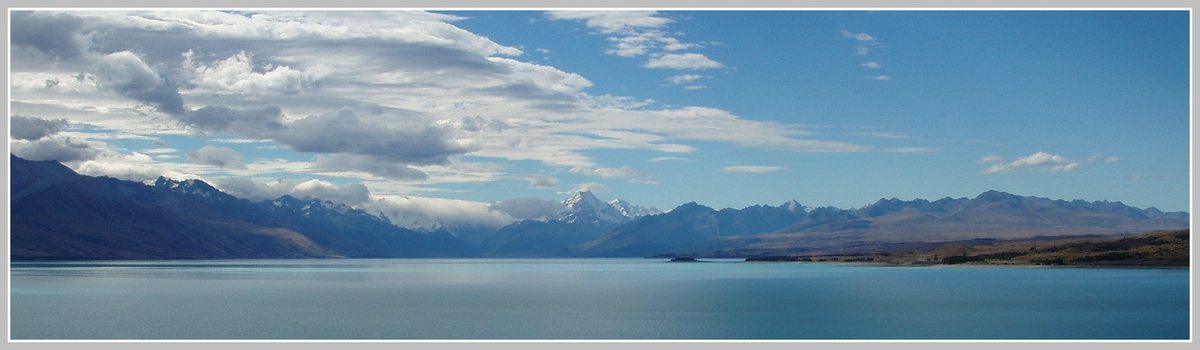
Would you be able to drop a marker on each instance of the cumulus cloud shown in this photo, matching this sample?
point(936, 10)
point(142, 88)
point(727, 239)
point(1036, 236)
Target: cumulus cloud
point(751, 169)
point(357, 163)
point(682, 61)
point(57, 35)
point(130, 167)
point(402, 95)
point(256, 123)
point(862, 37)
point(1040, 161)
point(424, 212)
point(872, 65)
point(33, 128)
point(406, 141)
point(350, 194)
point(529, 208)
point(538, 181)
point(382, 149)
point(864, 42)
point(686, 78)
point(614, 22)
point(128, 75)
point(58, 148)
point(239, 74)
point(217, 156)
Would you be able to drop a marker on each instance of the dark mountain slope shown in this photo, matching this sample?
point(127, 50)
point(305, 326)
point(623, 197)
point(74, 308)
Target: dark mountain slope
point(63, 215)
point(79, 217)
point(584, 218)
point(652, 235)
point(532, 238)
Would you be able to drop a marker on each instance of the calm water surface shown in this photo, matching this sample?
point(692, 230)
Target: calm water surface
point(587, 299)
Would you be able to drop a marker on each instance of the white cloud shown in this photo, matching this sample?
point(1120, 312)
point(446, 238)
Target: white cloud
point(862, 37)
point(751, 169)
point(593, 187)
point(872, 65)
point(615, 22)
point(1040, 161)
point(1097, 156)
point(130, 167)
point(361, 95)
point(350, 194)
point(878, 77)
point(423, 212)
point(624, 172)
point(217, 156)
point(538, 181)
point(639, 33)
point(664, 159)
point(405, 211)
point(530, 208)
point(686, 78)
point(682, 61)
point(239, 74)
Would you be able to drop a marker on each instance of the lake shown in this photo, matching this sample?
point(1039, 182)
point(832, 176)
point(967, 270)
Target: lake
point(345, 299)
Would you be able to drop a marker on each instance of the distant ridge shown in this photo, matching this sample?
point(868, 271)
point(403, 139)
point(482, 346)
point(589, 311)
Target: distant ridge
point(58, 214)
point(697, 230)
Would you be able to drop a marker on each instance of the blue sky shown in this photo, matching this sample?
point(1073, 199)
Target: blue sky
point(436, 115)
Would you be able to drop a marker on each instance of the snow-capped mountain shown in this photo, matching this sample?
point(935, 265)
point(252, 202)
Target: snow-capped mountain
point(633, 211)
point(584, 207)
point(583, 218)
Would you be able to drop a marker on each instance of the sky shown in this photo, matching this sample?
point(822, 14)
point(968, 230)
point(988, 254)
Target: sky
point(458, 116)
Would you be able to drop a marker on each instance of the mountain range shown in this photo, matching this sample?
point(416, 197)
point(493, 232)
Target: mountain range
point(886, 225)
point(59, 214)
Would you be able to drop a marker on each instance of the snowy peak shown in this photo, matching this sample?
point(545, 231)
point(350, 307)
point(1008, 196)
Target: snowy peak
point(633, 211)
point(583, 200)
point(315, 208)
point(192, 187)
point(584, 207)
point(793, 206)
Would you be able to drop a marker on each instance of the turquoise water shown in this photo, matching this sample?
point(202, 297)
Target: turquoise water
point(587, 299)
